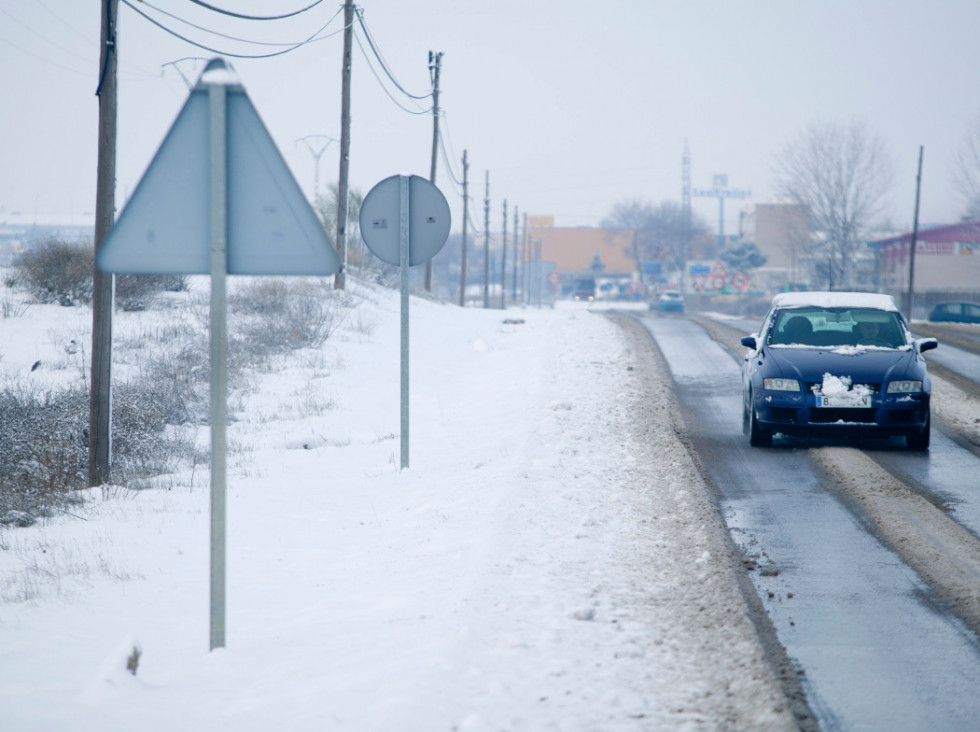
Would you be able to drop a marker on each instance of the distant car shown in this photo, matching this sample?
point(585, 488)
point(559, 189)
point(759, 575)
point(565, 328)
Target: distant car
point(835, 364)
point(670, 301)
point(955, 312)
point(584, 289)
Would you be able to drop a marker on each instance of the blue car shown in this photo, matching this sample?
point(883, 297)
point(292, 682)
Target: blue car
point(955, 312)
point(670, 301)
point(835, 364)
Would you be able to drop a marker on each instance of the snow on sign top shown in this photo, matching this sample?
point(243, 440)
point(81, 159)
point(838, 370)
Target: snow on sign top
point(834, 300)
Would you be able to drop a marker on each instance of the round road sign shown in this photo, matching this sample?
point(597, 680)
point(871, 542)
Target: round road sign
point(740, 281)
point(554, 277)
point(428, 220)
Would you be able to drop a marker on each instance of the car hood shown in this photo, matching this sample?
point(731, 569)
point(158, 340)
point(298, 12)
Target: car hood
point(861, 365)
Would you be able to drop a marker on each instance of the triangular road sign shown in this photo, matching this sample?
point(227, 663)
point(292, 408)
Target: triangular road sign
point(164, 227)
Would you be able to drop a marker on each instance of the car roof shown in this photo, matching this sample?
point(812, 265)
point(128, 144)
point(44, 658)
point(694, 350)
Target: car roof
point(834, 300)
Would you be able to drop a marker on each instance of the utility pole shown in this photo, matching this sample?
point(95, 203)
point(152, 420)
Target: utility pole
point(462, 266)
point(486, 244)
point(503, 264)
point(435, 62)
point(525, 258)
point(340, 279)
point(100, 394)
point(517, 259)
point(686, 198)
point(915, 233)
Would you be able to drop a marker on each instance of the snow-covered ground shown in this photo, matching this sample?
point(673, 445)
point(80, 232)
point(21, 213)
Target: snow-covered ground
point(551, 559)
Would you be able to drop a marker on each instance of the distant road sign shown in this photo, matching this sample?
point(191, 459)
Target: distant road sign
point(740, 281)
point(554, 278)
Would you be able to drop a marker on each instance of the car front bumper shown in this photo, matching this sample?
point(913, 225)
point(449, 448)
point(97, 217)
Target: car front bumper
point(797, 413)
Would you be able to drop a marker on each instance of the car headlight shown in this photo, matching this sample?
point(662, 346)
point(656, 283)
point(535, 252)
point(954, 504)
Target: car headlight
point(781, 384)
point(907, 386)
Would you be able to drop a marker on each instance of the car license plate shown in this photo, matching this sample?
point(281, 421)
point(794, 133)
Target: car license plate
point(850, 400)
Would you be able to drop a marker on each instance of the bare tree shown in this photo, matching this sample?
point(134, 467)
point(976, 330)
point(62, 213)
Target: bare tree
point(966, 173)
point(633, 218)
point(842, 175)
point(658, 233)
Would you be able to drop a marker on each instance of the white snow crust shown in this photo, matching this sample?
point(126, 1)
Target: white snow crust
point(549, 561)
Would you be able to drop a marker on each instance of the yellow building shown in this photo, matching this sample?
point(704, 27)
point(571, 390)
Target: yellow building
point(574, 250)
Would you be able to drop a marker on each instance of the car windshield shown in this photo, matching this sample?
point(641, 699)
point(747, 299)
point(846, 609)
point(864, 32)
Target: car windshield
point(837, 327)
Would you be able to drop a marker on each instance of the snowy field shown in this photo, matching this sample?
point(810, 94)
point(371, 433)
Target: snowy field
point(551, 559)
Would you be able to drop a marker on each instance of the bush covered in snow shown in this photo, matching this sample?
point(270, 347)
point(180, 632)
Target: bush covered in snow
point(57, 271)
point(160, 389)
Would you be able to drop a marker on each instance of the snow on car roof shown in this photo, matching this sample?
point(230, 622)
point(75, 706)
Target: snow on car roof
point(834, 300)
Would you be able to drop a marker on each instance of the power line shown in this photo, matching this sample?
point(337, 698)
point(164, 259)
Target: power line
point(43, 38)
point(255, 17)
point(225, 35)
point(293, 47)
point(63, 67)
point(384, 65)
point(367, 59)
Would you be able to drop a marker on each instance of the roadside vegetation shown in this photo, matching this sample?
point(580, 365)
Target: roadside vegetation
point(161, 373)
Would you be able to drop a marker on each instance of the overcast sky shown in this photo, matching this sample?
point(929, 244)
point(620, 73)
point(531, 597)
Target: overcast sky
point(572, 106)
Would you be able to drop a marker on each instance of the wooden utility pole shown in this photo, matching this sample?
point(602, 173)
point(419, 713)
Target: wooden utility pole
point(100, 394)
point(517, 259)
point(486, 244)
point(435, 63)
point(340, 279)
point(525, 258)
point(503, 264)
point(915, 233)
point(462, 266)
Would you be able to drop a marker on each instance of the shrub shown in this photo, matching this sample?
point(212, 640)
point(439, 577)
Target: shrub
point(275, 315)
point(44, 441)
point(57, 271)
point(43, 447)
point(139, 292)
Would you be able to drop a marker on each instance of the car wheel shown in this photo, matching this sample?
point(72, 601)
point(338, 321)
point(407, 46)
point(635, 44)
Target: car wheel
point(758, 436)
point(919, 441)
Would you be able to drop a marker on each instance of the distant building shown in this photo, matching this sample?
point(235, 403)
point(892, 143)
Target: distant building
point(576, 250)
point(947, 259)
point(780, 232)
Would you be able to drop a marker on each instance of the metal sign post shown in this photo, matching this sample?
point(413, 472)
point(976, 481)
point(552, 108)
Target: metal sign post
point(218, 97)
point(404, 207)
point(423, 227)
point(218, 199)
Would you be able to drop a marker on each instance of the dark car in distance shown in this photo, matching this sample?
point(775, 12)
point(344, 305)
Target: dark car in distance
point(584, 288)
point(835, 364)
point(955, 312)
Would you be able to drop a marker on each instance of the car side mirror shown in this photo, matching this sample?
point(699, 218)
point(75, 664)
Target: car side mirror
point(926, 344)
point(750, 342)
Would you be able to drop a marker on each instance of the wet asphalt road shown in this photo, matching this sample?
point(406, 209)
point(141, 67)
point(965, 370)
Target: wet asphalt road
point(874, 646)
